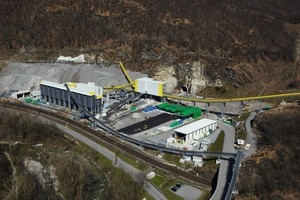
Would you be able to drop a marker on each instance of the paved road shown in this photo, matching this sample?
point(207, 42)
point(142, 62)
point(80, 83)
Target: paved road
point(154, 192)
point(251, 137)
point(224, 165)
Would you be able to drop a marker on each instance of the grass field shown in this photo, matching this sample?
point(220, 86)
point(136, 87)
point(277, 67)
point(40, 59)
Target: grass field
point(217, 146)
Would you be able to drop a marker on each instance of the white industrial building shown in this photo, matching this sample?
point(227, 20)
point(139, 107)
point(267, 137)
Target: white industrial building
point(89, 95)
point(20, 94)
point(149, 86)
point(196, 130)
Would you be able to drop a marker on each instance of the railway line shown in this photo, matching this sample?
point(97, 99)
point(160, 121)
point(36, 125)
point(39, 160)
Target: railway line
point(56, 117)
point(141, 143)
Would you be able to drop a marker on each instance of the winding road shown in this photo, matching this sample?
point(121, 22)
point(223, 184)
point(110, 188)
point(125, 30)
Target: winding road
point(251, 137)
point(224, 165)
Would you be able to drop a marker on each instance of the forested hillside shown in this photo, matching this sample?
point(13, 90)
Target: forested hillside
point(39, 161)
point(273, 171)
point(238, 41)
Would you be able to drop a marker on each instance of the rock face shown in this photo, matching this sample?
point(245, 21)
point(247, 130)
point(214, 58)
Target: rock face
point(167, 74)
point(35, 168)
point(187, 75)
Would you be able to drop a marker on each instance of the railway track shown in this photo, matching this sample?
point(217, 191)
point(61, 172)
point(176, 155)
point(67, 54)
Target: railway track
point(158, 147)
point(56, 117)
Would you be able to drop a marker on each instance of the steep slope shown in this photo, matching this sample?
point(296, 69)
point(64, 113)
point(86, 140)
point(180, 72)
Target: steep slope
point(273, 172)
point(241, 43)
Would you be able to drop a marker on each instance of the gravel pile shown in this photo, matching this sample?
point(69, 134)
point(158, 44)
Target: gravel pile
point(27, 76)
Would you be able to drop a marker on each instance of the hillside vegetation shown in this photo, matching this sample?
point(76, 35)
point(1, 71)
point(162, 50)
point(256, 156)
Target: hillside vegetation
point(37, 161)
point(238, 41)
point(273, 172)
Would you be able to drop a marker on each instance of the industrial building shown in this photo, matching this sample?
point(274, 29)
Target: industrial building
point(195, 130)
point(20, 94)
point(89, 95)
point(149, 86)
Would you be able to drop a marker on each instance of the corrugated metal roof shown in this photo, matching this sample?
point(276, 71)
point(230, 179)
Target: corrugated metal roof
point(194, 126)
point(52, 84)
point(21, 92)
point(62, 86)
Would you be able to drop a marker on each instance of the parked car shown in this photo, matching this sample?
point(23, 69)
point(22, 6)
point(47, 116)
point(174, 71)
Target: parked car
point(174, 189)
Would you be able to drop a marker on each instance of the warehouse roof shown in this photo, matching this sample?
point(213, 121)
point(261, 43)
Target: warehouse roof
point(72, 87)
point(194, 126)
point(52, 84)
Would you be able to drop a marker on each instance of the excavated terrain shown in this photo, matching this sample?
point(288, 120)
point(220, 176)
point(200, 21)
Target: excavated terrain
point(27, 76)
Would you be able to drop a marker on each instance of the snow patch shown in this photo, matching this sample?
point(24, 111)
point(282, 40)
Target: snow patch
point(78, 59)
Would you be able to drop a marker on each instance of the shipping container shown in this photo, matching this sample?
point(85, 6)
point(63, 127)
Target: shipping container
point(174, 123)
point(133, 108)
point(28, 100)
point(149, 108)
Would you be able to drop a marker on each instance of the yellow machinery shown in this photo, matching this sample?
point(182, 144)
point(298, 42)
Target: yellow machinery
point(116, 87)
point(126, 74)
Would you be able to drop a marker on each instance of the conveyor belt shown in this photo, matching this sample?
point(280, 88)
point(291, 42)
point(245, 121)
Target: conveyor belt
point(233, 99)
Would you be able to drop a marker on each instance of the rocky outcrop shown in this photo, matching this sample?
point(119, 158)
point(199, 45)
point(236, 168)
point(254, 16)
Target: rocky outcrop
point(189, 75)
